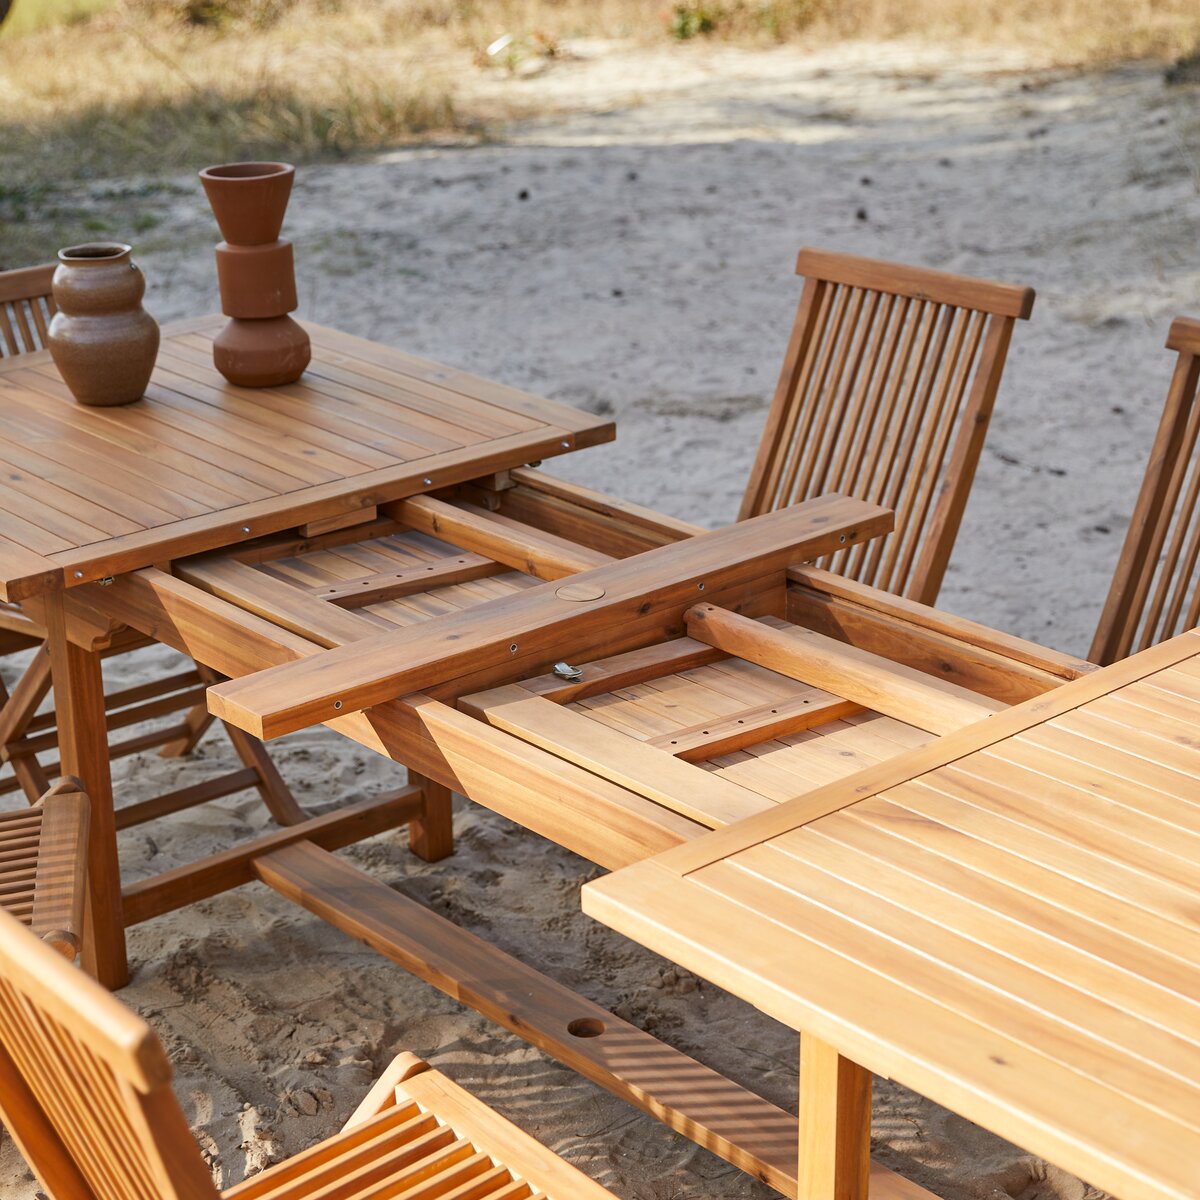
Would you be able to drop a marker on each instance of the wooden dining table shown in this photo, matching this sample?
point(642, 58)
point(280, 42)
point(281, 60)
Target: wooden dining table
point(90, 495)
point(1006, 920)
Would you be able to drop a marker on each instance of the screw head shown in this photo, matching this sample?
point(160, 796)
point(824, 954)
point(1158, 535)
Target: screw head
point(427, 481)
point(565, 444)
point(245, 528)
point(78, 574)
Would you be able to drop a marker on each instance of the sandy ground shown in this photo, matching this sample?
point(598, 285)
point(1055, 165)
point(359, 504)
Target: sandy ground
point(635, 257)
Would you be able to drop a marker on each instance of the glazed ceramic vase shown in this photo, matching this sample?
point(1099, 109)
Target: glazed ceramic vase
point(102, 340)
point(261, 346)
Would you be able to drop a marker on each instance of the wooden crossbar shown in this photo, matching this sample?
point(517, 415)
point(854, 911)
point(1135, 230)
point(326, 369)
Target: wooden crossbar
point(646, 594)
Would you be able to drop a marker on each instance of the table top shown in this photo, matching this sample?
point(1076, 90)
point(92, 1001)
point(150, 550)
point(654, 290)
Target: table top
point(1006, 920)
point(199, 463)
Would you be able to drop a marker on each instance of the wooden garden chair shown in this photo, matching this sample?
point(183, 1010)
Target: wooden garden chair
point(1155, 591)
point(26, 306)
point(886, 393)
point(85, 1089)
point(43, 857)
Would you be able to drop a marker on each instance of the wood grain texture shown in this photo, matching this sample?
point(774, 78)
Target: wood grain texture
point(200, 463)
point(649, 590)
point(1004, 920)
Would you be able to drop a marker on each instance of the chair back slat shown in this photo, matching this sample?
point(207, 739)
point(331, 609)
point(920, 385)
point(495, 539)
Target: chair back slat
point(1155, 592)
point(885, 394)
point(95, 1076)
point(26, 306)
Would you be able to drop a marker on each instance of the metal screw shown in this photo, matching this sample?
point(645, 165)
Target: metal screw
point(245, 528)
point(565, 444)
point(427, 481)
point(78, 574)
point(337, 704)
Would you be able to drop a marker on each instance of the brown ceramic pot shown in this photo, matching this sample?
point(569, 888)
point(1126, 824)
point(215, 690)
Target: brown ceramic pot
point(262, 353)
point(102, 340)
point(249, 200)
point(262, 346)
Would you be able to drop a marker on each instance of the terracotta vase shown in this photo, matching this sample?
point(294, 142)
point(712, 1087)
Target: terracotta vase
point(102, 340)
point(261, 346)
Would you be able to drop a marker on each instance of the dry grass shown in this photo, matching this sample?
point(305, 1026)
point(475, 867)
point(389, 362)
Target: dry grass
point(142, 86)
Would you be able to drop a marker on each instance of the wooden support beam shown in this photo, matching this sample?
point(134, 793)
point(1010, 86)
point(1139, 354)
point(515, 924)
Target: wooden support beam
point(690, 791)
point(835, 1124)
point(778, 718)
point(206, 877)
point(868, 679)
point(391, 585)
point(694, 1100)
point(644, 596)
point(543, 555)
point(624, 670)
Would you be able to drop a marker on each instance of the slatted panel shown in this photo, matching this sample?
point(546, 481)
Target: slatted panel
point(885, 395)
point(405, 1150)
point(20, 836)
point(320, 570)
point(26, 306)
point(1014, 932)
point(1155, 592)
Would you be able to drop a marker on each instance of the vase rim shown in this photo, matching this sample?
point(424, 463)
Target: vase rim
point(247, 172)
point(94, 252)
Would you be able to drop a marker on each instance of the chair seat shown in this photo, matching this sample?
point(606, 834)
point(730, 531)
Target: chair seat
point(431, 1139)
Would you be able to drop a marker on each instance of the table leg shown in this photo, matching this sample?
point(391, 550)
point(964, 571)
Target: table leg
point(83, 746)
point(431, 835)
point(835, 1124)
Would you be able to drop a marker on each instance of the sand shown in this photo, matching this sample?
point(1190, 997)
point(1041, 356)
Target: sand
point(633, 255)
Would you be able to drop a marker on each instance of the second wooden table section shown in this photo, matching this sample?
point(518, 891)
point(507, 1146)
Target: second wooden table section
point(1005, 920)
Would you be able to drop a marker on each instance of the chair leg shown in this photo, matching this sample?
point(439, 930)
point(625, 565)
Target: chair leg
point(198, 721)
point(431, 835)
point(16, 712)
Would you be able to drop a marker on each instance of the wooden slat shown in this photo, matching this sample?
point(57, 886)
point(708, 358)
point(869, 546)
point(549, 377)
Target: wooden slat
point(57, 915)
point(498, 538)
point(752, 725)
point(648, 590)
point(692, 792)
point(289, 607)
point(858, 675)
point(384, 585)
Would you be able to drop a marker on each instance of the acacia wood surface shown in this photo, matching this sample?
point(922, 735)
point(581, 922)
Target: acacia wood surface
point(200, 463)
point(1004, 920)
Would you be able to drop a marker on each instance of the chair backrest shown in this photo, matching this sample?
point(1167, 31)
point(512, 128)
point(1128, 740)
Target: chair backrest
point(85, 1085)
point(1155, 592)
point(886, 393)
point(26, 306)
